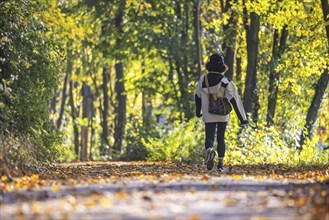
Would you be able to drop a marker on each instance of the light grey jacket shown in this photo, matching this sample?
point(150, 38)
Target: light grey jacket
point(229, 92)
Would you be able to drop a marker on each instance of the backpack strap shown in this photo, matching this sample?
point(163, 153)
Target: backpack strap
point(207, 83)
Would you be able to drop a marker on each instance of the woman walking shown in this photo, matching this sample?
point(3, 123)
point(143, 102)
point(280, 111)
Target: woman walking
point(218, 85)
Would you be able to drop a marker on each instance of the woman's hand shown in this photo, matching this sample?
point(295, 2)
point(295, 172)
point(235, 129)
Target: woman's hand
point(244, 123)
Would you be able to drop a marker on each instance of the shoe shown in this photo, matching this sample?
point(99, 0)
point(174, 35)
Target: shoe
point(220, 166)
point(211, 153)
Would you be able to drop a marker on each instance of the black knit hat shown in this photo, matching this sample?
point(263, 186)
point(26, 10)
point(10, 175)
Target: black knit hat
point(216, 63)
point(219, 58)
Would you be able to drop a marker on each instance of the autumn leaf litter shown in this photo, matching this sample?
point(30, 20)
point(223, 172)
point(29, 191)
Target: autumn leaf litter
point(144, 190)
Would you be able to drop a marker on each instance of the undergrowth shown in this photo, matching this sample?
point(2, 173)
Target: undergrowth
point(184, 142)
point(23, 153)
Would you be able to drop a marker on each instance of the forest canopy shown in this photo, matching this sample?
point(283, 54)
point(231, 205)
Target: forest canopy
point(115, 80)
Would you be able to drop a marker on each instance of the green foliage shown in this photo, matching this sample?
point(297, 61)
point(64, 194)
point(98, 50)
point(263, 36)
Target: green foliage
point(265, 145)
point(180, 142)
point(160, 73)
point(29, 75)
point(27, 82)
point(262, 145)
point(135, 150)
point(27, 152)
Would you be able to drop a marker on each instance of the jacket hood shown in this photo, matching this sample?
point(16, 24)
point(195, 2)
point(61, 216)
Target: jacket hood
point(213, 89)
point(217, 90)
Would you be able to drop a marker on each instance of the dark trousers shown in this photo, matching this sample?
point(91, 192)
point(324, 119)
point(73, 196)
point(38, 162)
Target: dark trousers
point(210, 136)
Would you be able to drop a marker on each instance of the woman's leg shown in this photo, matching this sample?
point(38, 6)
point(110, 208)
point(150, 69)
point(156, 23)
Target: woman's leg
point(221, 128)
point(209, 144)
point(210, 134)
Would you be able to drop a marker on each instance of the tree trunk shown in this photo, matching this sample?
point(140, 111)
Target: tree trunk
point(91, 142)
point(229, 60)
point(313, 110)
point(325, 10)
point(64, 91)
point(53, 103)
point(277, 51)
point(184, 98)
point(105, 75)
point(105, 110)
point(238, 74)
point(171, 79)
point(99, 99)
point(74, 120)
point(250, 100)
point(182, 60)
point(87, 113)
point(229, 41)
point(84, 144)
point(197, 31)
point(121, 107)
point(146, 104)
point(321, 87)
point(146, 111)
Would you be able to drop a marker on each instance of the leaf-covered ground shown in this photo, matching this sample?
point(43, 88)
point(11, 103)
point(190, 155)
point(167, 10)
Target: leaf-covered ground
point(145, 190)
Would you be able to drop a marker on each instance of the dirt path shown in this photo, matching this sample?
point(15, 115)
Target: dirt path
point(164, 191)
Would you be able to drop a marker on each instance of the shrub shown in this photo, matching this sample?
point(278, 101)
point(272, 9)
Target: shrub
point(183, 142)
point(262, 145)
point(29, 70)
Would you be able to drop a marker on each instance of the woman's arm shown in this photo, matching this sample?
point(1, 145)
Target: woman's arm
point(197, 97)
point(234, 98)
